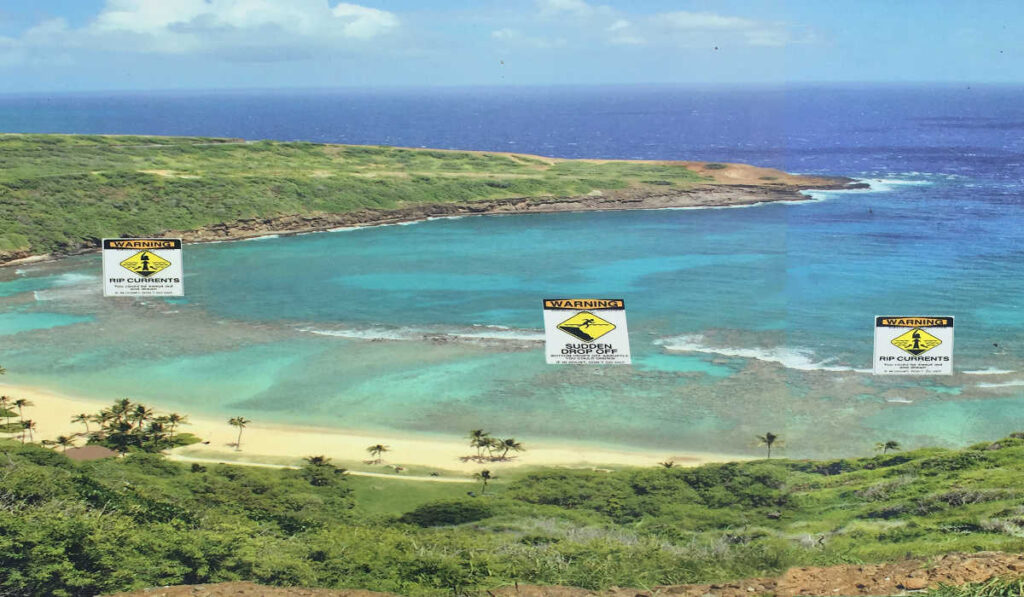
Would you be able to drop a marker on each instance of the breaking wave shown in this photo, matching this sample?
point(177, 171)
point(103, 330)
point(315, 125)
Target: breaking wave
point(475, 334)
point(69, 285)
point(1013, 383)
point(800, 359)
point(989, 371)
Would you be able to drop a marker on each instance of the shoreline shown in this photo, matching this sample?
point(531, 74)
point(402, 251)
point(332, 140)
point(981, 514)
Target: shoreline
point(735, 186)
point(270, 444)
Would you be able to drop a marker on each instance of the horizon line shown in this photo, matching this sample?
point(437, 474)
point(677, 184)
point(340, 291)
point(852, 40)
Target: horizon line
point(532, 86)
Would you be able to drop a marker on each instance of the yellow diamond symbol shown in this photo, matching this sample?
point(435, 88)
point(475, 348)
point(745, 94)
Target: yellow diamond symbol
point(916, 341)
point(145, 263)
point(586, 326)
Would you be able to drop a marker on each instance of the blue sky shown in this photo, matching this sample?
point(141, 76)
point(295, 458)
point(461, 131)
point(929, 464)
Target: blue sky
point(78, 45)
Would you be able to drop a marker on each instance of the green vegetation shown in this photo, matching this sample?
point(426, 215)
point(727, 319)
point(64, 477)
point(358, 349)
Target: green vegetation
point(129, 427)
point(715, 166)
point(997, 587)
point(62, 192)
point(69, 528)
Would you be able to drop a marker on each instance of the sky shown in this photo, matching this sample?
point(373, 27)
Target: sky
point(95, 45)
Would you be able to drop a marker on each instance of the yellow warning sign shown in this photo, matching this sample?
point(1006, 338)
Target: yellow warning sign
point(586, 326)
point(916, 341)
point(145, 263)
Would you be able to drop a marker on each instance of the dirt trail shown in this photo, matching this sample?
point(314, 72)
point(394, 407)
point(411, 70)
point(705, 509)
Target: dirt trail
point(898, 578)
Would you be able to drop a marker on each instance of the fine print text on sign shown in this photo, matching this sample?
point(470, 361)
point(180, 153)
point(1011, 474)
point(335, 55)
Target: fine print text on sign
point(586, 331)
point(913, 345)
point(142, 267)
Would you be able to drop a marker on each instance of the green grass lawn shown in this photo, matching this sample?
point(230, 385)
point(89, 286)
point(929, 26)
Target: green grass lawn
point(62, 192)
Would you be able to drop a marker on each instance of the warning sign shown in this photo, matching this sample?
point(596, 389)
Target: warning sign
point(913, 346)
point(142, 267)
point(586, 331)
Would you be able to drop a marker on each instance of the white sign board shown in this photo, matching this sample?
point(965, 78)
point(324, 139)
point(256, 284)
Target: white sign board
point(586, 332)
point(913, 345)
point(142, 267)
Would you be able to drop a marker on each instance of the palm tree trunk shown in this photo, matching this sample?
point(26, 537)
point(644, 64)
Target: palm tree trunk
point(238, 443)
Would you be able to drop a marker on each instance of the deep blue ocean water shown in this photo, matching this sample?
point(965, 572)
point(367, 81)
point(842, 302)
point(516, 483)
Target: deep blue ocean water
point(741, 320)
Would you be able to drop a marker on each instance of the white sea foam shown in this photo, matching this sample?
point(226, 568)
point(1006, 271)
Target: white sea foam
point(474, 334)
point(1013, 383)
point(363, 334)
point(73, 278)
point(264, 237)
point(800, 359)
point(69, 285)
point(989, 371)
point(898, 400)
point(875, 185)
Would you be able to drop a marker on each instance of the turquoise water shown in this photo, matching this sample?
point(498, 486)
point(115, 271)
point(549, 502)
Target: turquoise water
point(741, 321)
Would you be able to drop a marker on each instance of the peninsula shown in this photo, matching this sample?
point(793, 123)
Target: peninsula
point(60, 194)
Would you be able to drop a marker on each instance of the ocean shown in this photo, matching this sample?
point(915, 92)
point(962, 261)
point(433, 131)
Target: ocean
point(742, 320)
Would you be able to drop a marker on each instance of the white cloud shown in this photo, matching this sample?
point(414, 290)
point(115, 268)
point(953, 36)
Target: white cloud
point(558, 7)
point(363, 22)
point(510, 36)
point(704, 21)
point(583, 21)
point(704, 28)
point(235, 29)
point(619, 25)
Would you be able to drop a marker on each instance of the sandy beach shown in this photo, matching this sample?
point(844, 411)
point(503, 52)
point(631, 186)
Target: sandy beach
point(271, 444)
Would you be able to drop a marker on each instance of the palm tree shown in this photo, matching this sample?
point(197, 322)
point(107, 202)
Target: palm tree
point(5, 404)
point(317, 460)
point(511, 444)
point(27, 427)
point(174, 419)
point(485, 476)
point(768, 439)
point(64, 441)
point(22, 403)
point(239, 422)
point(889, 445)
point(121, 409)
point(493, 444)
point(478, 438)
point(82, 418)
point(668, 463)
point(377, 450)
point(141, 414)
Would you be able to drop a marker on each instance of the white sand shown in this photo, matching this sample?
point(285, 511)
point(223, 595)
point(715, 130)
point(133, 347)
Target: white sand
point(283, 444)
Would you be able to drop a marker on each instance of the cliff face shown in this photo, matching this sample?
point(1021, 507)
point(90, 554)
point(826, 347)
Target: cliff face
point(696, 197)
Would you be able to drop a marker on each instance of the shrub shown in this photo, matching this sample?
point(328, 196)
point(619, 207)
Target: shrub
point(446, 513)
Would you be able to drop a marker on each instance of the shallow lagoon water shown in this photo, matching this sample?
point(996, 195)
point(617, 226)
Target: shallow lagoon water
point(741, 321)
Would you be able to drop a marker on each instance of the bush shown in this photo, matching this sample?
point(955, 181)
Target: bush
point(447, 513)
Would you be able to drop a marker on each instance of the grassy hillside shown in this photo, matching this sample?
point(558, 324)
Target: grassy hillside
point(82, 528)
point(60, 192)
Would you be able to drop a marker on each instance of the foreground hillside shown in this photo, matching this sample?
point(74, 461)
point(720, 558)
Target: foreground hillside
point(70, 528)
point(60, 193)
